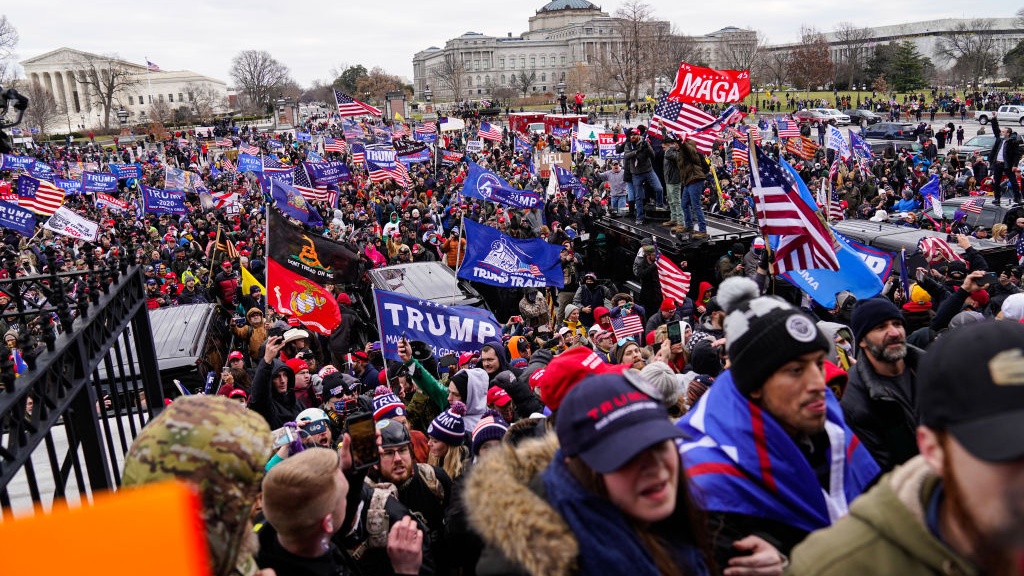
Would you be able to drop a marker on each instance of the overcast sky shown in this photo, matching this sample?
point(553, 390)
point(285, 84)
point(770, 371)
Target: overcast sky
point(312, 37)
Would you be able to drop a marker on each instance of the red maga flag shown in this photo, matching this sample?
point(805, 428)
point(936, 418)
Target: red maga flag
point(709, 86)
point(293, 295)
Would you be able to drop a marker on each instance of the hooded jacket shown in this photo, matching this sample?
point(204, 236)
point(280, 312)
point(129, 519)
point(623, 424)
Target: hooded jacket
point(885, 532)
point(277, 408)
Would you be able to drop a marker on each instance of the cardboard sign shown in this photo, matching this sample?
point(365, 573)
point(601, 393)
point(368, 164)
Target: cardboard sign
point(546, 159)
point(474, 146)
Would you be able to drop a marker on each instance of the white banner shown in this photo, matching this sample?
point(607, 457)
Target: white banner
point(474, 146)
point(68, 223)
point(586, 131)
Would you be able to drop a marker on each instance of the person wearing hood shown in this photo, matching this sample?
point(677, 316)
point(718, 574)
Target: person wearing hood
point(574, 324)
point(589, 296)
point(392, 226)
point(534, 308)
point(470, 386)
point(273, 387)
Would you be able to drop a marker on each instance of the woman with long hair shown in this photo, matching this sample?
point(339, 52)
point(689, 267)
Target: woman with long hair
point(605, 494)
point(446, 440)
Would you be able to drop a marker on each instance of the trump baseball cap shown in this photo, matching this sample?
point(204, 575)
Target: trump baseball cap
point(972, 386)
point(607, 421)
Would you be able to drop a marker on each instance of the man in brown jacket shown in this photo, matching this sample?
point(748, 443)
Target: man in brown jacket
point(692, 172)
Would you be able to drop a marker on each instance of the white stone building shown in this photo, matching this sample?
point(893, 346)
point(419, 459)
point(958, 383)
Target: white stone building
point(561, 35)
point(58, 70)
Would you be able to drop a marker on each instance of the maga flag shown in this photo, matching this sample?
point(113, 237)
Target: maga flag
point(310, 255)
point(309, 302)
point(709, 86)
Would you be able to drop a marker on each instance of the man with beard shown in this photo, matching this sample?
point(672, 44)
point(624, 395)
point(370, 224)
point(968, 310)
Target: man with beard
point(958, 508)
point(880, 399)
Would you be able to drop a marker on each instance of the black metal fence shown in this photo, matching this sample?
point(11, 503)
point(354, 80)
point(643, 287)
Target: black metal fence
point(86, 382)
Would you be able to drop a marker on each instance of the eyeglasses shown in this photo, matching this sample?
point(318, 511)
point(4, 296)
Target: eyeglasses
point(389, 454)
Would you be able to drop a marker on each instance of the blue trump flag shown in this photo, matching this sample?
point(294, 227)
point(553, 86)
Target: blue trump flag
point(325, 173)
point(291, 203)
point(568, 182)
point(157, 201)
point(932, 196)
point(98, 182)
point(41, 170)
point(861, 270)
point(312, 156)
point(521, 145)
point(17, 218)
point(70, 187)
point(123, 171)
point(303, 137)
point(249, 163)
point(16, 163)
point(500, 260)
point(446, 329)
point(487, 185)
point(862, 148)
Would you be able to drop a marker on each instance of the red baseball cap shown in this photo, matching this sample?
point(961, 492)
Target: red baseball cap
point(497, 397)
point(235, 355)
point(565, 370)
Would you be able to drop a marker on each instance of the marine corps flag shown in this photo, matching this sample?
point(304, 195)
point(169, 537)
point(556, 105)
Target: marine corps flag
point(307, 301)
point(310, 255)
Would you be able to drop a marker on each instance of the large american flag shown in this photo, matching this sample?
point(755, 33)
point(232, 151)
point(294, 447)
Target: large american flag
point(740, 153)
point(358, 154)
point(382, 174)
point(45, 197)
point(680, 118)
point(489, 132)
point(399, 129)
point(427, 128)
point(805, 242)
point(332, 145)
point(835, 209)
point(272, 164)
point(227, 164)
point(788, 128)
point(352, 130)
point(304, 184)
point(973, 205)
point(246, 148)
point(802, 147)
point(349, 106)
point(674, 282)
point(626, 326)
point(224, 143)
point(936, 250)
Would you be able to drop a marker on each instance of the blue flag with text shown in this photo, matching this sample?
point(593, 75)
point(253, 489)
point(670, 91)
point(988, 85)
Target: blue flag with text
point(446, 329)
point(500, 260)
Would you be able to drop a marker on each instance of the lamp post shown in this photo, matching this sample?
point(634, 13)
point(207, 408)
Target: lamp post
point(561, 87)
point(82, 125)
point(428, 94)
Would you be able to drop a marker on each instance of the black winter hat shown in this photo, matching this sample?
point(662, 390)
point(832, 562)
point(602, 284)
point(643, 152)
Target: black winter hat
point(763, 332)
point(870, 313)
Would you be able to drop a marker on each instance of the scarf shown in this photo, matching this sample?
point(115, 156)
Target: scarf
point(743, 462)
point(608, 545)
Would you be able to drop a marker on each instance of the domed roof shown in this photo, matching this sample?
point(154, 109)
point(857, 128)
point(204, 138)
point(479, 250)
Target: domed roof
point(568, 5)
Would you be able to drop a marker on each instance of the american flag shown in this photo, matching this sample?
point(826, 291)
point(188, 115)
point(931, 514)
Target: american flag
point(304, 184)
point(936, 250)
point(272, 164)
point(743, 132)
point(246, 148)
point(352, 130)
point(740, 153)
point(228, 165)
point(674, 282)
point(1020, 248)
point(805, 240)
point(788, 128)
point(349, 106)
point(332, 145)
point(379, 173)
point(973, 205)
point(835, 209)
point(802, 147)
point(489, 132)
point(358, 154)
point(626, 326)
point(399, 130)
point(224, 143)
point(427, 128)
point(151, 66)
point(678, 118)
point(39, 196)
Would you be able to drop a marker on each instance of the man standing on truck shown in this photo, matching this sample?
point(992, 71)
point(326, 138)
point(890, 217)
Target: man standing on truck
point(1005, 154)
point(693, 169)
point(639, 156)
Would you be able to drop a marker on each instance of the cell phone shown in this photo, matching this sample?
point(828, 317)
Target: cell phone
point(282, 436)
point(675, 332)
point(363, 432)
point(951, 238)
point(343, 407)
point(275, 331)
point(987, 279)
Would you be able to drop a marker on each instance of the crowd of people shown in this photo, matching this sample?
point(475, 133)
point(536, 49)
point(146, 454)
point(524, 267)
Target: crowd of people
point(736, 433)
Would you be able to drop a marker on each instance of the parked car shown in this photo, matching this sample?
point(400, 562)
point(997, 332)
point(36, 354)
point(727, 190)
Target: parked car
point(890, 131)
point(812, 116)
point(1004, 114)
point(835, 116)
point(981, 144)
point(878, 147)
point(990, 213)
point(858, 116)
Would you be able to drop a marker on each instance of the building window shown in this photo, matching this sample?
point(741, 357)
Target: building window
point(502, 79)
point(191, 96)
point(533, 61)
point(501, 63)
point(543, 61)
point(512, 63)
point(469, 81)
point(170, 97)
point(180, 98)
point(141, 101)
point(160, 97)
point(563, 60)
point(522, 61)
point(543, 76)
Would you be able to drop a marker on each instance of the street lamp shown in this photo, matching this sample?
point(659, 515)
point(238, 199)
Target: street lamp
point(122, 116)
point(561, 87)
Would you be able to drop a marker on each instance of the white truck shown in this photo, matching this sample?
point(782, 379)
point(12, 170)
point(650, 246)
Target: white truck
point(1010, 113)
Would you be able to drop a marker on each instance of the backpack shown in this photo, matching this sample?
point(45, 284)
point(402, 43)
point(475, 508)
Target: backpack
point(378, 524)
point(430, 478)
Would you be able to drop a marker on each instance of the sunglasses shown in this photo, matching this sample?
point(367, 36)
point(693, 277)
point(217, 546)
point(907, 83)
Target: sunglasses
point(624, 341)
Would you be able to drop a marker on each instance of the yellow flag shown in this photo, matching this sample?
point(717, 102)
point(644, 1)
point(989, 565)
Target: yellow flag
point(399, 117)
point(248, 280)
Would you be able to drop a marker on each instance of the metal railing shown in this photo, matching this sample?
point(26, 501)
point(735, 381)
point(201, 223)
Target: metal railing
point(88, 384)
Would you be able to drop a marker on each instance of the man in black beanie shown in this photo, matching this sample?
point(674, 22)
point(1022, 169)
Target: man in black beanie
point(768, 447)
point(880, 399)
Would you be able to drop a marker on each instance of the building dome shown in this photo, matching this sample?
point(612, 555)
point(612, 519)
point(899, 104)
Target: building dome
point(567, 5)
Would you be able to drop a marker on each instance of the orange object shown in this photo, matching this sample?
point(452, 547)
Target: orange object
point(154, 530)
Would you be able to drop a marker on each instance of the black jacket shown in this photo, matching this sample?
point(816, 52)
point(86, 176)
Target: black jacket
point(275, 407)
point(1012, 153)
point(882, 416)
point(355, 540)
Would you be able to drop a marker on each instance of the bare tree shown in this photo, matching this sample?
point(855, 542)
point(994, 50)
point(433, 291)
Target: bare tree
point(449, 75)
point(523, 80)
point(810, 65)
point(745, 51)
point(8, 40)
point(160, 112)
point(1018, 18)
point(259, 75)
point(377, 83)
point(774, 67)
point(44, 110)
point(971, 46)
point(204, 99)
point(853, 40)
point(106, 78)
point(668, 48)
point(631, 64)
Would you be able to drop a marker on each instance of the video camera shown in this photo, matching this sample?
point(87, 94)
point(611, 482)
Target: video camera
point(8, 98)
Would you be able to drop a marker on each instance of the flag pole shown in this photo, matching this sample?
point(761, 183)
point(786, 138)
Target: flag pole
point(458, 255)
point(213, 259)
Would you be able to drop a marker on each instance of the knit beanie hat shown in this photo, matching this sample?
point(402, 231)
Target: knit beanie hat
point(763, 332)
point(569, 308)
point(386, 404)
point(870, 313)
point(668, 305)
point(491, 427)
point(448, 427)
